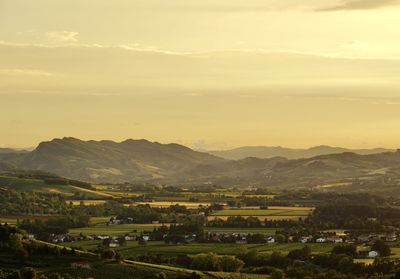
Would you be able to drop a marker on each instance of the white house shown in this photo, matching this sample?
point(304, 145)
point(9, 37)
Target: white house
point(270, 240)
point(102, 237)
point(321, 240)
point(306, 239)
point(335, 239)
point(373, 254)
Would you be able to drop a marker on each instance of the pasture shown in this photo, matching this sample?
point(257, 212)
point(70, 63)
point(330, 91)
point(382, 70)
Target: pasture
point(86, 202)
point(133, 249)
point(266, 231)
point(39, 185)
point(13, 220)
point(261, 218)
point(272, 213)
point(114, 230)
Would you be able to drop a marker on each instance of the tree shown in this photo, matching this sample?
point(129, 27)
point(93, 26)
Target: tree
point(205, 262)
point(108, 254)
point(382, 248)
point(277, 274)
point(28, 273)
point(349, 250)
point(230, 264)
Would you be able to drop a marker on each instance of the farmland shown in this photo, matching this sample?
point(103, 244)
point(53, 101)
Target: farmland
point(13, 220)
point(170, 203)
point(86, 202)
point(99, 227)
point(267, 231)
point(133, 249)
point(114, 230)
point(8, 220)
point(272, 213)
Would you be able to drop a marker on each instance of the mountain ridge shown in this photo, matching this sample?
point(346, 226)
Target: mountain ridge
point(289, 153)
point(142, 161)
point(99, 161)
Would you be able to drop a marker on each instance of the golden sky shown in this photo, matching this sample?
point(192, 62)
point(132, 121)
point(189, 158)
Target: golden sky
point(210, 74)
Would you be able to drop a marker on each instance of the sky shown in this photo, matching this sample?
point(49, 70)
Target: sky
point(211, 74)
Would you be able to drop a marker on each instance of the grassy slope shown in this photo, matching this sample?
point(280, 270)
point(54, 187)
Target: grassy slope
point(100, 269)
point(38, 185)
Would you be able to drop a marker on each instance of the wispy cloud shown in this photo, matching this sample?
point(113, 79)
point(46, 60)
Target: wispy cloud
point(361, 5)
point(26, 72)
point(62, 36)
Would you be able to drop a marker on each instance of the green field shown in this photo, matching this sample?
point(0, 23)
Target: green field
point(261, 212)
point(133, 249)
point(99, 227)
point(113, 230)
point(12, 220)
point(38, 185)
point(268, 231)
point(99, 220)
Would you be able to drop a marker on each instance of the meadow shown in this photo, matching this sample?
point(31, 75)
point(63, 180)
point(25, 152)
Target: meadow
point(133, 249)
point(101, 228)
point(267, 231)
point(86, 202)
point(272, 213)
point(39, 185)
point(13, 220)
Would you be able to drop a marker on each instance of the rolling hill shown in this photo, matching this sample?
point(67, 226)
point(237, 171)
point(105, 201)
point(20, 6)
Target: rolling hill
point(108, 161)
point(42, 182)
point(152, 162)
point(289, 153)
point(344, 171)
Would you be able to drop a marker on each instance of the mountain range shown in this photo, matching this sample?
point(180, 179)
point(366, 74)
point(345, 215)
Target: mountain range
point(144, 161)
point(99, 161)
point(289, 153)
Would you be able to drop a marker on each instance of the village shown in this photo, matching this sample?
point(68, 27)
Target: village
point(338, 237)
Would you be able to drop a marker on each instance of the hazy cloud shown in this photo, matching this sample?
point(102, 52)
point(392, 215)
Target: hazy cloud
point(62, 36)
point(28, 72)
point(361, 5)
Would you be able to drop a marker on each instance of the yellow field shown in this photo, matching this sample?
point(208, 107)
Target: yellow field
point(92, 191)
point(8, 220)
point(364, 261)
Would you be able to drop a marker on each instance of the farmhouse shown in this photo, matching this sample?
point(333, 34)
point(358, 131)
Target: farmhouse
point(306, 239)
point(270, 240)
point(373, 254)
point(334, 239)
